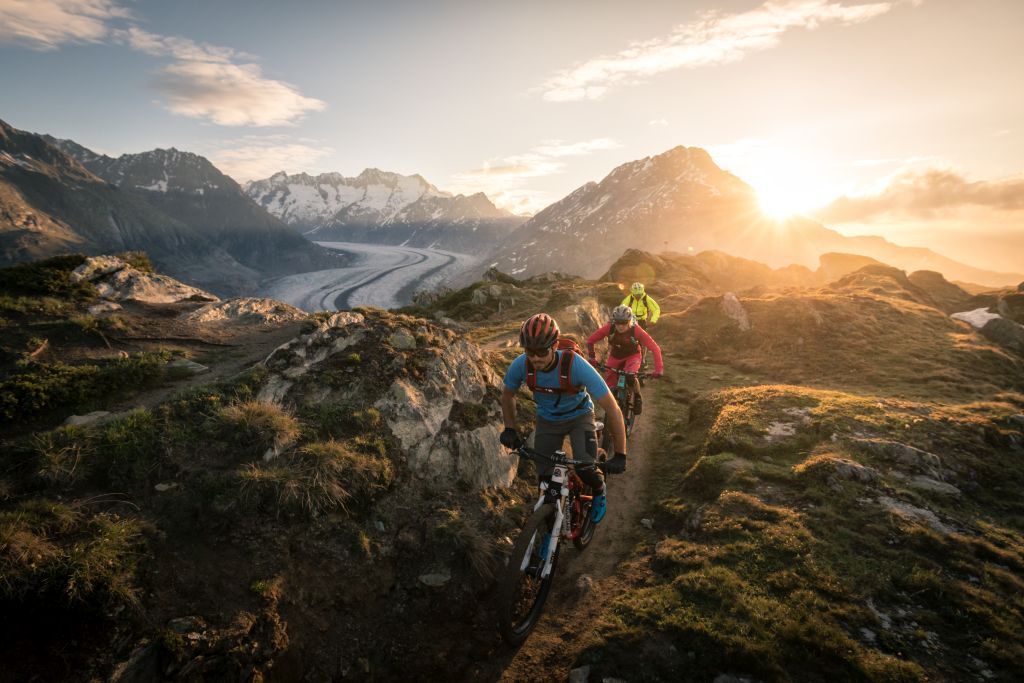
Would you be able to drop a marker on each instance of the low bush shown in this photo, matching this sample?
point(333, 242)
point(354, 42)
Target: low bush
point(54, 552)
point(40, 388)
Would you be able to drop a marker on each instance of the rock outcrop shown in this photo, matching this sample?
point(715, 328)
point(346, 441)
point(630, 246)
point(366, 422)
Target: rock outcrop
point(117, 280)
point(433, 390)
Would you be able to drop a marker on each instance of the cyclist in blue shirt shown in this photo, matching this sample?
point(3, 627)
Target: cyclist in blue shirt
point(564, 390)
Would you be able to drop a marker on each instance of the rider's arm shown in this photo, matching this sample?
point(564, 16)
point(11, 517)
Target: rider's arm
point(514, 378)
point(613, 421)
point(653, 310)
point(645, 340)
point(508, 407)
point(600, 334)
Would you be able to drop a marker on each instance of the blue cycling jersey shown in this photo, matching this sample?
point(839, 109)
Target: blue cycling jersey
point(558, 407)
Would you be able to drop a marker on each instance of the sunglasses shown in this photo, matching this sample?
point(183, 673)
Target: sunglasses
point(538, 353)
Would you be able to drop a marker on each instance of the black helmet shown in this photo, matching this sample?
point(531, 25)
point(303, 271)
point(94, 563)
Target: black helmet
point(538, 332)
point(622, 314)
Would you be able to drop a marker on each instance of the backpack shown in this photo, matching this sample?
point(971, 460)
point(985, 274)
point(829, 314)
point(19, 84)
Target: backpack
point(633, 299)
point(565, 385)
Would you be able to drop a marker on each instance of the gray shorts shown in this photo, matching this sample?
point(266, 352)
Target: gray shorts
point(582, 432)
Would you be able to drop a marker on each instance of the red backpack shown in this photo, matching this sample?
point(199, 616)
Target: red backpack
point(565, 385)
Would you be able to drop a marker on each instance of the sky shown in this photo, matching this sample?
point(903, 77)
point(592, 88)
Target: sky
point(901, 118)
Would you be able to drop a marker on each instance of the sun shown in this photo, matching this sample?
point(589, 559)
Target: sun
point(780, 199)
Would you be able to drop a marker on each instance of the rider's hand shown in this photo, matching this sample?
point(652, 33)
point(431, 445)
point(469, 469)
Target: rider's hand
point(616, 465)
point(510, 438)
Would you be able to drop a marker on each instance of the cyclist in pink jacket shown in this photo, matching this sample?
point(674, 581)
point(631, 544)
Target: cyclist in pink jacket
point(625, 339)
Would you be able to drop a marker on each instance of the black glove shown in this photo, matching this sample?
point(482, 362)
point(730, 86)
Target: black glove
point(510, 438)
point(616, 465)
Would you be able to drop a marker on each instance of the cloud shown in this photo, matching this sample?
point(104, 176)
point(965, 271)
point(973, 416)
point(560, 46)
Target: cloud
point(711, 40)
point(184, 49)
point(47, 24)
point(504, 180)
point(658, 122)
point(254, 157)
point(930, 194)
point(203, 81)
point(231, 94)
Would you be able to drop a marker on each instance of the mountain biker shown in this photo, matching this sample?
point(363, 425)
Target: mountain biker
point(625, 339)
point(645, 309)
point(562, 389)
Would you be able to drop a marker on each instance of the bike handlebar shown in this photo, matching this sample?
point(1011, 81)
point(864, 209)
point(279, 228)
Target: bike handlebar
point(642, 374)
point(557, 459)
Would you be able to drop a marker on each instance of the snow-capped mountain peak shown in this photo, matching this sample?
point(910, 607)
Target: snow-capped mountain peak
point(373, 197)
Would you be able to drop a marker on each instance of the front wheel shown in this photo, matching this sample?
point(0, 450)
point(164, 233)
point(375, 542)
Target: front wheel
point(522, 591)
point(587, 526)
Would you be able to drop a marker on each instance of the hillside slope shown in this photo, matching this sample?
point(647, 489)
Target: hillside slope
point(834, 486)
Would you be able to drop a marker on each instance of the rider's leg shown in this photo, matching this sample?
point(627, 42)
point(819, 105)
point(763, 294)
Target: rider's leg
point(632, 364)
point(584, 448)
point(547, 438)
point(583, 437)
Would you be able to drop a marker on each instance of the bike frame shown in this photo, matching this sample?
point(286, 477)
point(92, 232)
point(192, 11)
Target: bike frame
point(556, 490)
point(622, 393)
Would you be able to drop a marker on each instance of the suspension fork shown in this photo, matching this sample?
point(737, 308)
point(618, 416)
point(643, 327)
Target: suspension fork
point(559, 477)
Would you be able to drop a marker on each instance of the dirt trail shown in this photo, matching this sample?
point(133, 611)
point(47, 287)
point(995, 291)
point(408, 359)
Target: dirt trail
point(564, 631)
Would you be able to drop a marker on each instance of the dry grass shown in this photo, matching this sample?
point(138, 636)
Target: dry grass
point(317, 478)
point(260, 425)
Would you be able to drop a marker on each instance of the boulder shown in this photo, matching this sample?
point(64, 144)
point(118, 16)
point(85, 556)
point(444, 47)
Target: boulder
point(1006, 333)
point(734, 309)
point(246, 311)
point(421, 391)
point(116, 280)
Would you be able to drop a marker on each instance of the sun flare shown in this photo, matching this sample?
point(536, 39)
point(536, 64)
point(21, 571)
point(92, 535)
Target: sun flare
point(781, 200)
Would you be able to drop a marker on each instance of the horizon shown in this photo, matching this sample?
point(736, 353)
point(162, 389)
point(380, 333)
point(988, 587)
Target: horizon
point(894, 119)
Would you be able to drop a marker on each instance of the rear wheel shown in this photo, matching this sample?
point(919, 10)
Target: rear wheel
point(522, 591)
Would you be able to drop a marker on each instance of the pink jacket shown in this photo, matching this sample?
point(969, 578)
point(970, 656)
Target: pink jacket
point(641, 336)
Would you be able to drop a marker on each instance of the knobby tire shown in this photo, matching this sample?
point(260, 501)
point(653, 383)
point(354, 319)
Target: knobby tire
point(519, 591)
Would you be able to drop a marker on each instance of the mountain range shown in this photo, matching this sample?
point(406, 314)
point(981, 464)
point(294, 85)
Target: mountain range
point(682, 201)
point(383, 208)
point(200, 225)
point(194, 222)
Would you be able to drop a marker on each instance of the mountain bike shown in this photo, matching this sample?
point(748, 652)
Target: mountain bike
point(624, 391)
point(562, 512)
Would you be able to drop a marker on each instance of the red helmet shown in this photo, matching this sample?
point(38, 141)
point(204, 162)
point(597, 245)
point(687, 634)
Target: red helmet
point(538, 332)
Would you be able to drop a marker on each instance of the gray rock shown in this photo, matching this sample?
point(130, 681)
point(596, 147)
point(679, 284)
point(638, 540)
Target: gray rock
point(186, 624)
point(88, 418)
point(436, 579)
point(901, 453)
point(647, 523)
point(584, 585)
point(914, 514)
point(186, 365)
point(1005, 333)
point(163, 487)
point(402, 339)
point(104, 307)
point(734, 309)
point(141, 667)
point(579, 675)
point(924, 483)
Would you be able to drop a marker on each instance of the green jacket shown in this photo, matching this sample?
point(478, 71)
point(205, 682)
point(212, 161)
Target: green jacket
point(642, 307)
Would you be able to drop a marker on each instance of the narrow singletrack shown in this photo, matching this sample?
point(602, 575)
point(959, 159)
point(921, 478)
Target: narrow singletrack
point(564, 630)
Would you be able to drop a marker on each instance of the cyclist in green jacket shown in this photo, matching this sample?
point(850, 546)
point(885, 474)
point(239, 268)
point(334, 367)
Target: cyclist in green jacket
point(645, 309)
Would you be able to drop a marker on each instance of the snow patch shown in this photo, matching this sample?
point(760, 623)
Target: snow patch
point(977, 318)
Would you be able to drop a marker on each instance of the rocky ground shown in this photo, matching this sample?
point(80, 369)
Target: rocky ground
point(827, 483)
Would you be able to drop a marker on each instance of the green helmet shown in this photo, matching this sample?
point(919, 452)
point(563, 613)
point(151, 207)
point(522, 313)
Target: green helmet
point(637, 289)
